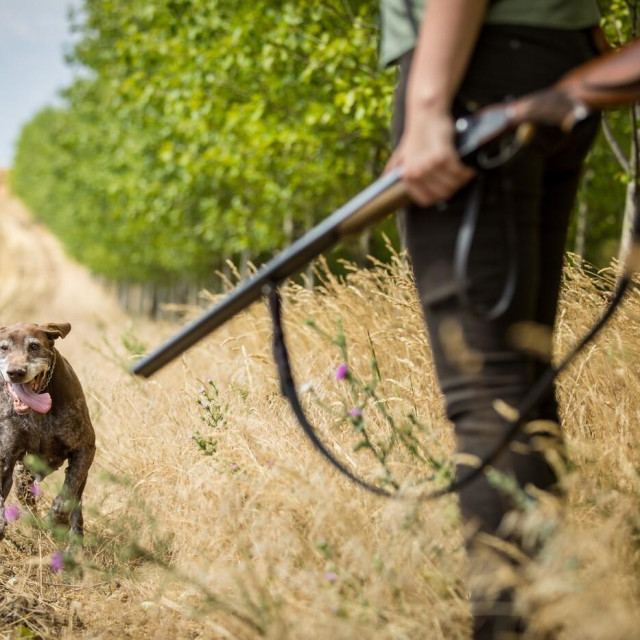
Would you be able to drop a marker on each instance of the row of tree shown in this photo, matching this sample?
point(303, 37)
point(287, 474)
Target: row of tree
point(201, 131)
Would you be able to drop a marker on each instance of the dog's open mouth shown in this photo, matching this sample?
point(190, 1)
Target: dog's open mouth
point(26, 397)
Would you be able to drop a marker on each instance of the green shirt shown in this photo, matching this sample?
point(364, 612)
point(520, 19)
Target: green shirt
point(397, 33)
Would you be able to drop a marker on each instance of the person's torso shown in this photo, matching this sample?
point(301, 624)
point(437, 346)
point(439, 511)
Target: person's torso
point(398, 30)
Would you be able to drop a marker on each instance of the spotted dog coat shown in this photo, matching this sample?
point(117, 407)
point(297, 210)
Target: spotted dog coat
point(43, 413)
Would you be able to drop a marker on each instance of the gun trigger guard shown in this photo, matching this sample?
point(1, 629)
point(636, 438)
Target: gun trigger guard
point(521, 137)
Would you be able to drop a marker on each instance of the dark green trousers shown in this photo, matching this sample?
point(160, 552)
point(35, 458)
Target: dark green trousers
point(480, 360)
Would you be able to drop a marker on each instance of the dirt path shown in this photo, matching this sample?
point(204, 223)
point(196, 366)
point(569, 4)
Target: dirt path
point(41, 284)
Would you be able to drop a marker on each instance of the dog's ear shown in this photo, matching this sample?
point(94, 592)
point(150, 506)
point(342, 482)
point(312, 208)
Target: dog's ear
point(56, 329)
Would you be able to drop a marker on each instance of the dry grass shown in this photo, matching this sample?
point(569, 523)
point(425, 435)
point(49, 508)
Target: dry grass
point(261, 539)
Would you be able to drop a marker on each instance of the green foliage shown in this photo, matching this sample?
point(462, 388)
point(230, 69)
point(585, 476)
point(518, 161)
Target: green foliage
point(213, 415)
point(199, 131)
point(620, 20)
point(603, 189)
point(202, 131)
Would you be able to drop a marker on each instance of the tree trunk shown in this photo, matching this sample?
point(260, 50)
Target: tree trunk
point(364, 246)
point(631, 200)
point(627, 221)
point(581, 229)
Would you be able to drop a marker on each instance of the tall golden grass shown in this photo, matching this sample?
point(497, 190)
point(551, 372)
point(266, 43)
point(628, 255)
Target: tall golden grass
point(209, 515)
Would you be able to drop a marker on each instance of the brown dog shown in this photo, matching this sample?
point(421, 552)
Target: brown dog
point(43, 413)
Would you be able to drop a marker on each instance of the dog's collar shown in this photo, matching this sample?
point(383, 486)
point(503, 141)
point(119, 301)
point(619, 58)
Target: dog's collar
point(49, 373)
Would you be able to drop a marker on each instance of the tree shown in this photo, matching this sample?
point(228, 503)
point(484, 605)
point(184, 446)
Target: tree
point(622, 24)
point(211, 130)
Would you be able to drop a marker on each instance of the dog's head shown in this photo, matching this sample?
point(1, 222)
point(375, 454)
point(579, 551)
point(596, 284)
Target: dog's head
point(27, 358)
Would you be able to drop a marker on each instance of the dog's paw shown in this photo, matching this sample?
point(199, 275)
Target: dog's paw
point(58, 514)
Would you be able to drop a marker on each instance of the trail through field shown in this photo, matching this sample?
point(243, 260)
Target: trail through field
point(41, 284)
point(210, 468)
point(209, 516)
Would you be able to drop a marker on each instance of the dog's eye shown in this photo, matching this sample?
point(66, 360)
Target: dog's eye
point(33, 346)
point(4, 346)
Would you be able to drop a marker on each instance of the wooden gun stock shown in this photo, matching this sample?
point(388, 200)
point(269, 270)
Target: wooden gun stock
point(610, 80)
point(607, 81)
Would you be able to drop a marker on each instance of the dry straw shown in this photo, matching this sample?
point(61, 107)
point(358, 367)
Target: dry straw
point(210, 516)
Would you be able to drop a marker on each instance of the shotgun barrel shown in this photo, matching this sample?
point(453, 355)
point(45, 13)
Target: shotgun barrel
point(609, 80)
point(378, 199)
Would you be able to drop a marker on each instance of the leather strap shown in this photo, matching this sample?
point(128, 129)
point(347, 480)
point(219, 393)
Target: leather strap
point(464, 245)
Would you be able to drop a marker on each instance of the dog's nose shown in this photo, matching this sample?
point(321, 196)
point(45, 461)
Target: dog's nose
point(16, 374)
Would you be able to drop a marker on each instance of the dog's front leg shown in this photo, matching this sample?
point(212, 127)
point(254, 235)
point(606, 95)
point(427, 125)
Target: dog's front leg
point(6, 480)
point(67, 507)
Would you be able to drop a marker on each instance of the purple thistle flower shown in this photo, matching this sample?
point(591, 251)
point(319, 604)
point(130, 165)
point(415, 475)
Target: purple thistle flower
point(35, 490)
point(356, 412)
point(57, 562)
point(331, 576)
point(12, 512)
point(341, 372)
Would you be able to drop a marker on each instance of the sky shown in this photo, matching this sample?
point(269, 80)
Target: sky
point(34, 35)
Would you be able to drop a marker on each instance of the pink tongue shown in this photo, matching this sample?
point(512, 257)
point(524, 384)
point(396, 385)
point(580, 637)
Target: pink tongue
point(40, 402)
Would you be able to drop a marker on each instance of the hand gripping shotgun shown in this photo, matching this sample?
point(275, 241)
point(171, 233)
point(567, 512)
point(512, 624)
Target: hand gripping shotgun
point(609, 80)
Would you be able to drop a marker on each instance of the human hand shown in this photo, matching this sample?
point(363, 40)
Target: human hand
point(431, 168)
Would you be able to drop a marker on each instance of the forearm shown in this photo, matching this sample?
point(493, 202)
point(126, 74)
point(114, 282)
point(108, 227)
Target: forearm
point(446, 41)
point(432, 171)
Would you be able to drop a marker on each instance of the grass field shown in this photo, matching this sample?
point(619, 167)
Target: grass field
point(209, 515)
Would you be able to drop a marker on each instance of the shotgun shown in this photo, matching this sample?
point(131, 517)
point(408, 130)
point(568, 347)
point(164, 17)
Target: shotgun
point(609, 80)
